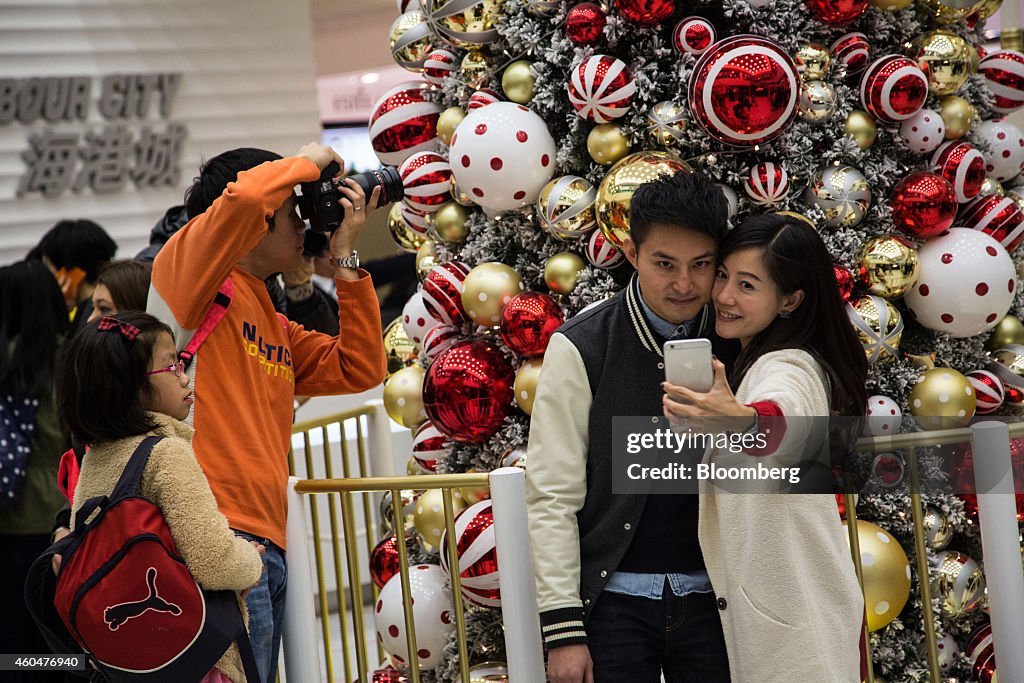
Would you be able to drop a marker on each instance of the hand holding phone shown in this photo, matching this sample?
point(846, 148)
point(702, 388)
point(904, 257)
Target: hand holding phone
point(688, 364)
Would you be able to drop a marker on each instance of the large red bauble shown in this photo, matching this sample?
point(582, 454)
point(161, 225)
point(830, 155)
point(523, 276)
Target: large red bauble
point(384, 561)
point(923, 205)
point(442, 292)
point(963, 166)
point(468, 391)
point(852, 51)
point(893, 88)
point(1004, 75)
point(962, 470)
point(584, 23)
point(478, 556)
point(837, 12)
point(529, 320)
point(404, 122)
point(845, 280)
point(997, 216)
point(743, 90)
point(601, 88)
point(646, 12)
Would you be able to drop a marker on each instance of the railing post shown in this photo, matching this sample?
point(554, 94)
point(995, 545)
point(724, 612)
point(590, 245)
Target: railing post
point(378, 441)
point(997, 516)
point(515, 563)
point(301, 654)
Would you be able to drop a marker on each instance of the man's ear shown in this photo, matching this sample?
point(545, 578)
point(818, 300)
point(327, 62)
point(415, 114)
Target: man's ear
point(629, 249)
point(791, 302)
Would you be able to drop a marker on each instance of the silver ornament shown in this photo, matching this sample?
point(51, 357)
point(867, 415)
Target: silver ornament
point(817, 102)
point(666, 122)
point(842, 192)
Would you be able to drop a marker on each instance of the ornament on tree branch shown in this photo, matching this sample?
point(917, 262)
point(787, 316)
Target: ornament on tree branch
point(666, 123)
point(893, 88)
point(601, 88)
point(923, 132)
point(607, 143)
point(585, 22)
point(1004, 75)
point(410, 40)
point(565, 207)
point(693, 36)
point(878, 326)
point(923, 205)
point(851, 51)
point(842, 192)
point(767, 184)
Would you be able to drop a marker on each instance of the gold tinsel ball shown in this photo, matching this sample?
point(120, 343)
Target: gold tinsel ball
point(942, 399)
point(860, 126)
point(404, 235)
point(958, 582)
point(565, 207)
point(561, 272)
point(526, 383)
point(489, 672)
point(938, 531)
point(817, 102)
point(607, 143)
point(888, 265)
point(398, 348)
point(957, 114)
point(428, 517)
point(403, 397)
point(891, 6)
point(448, 121)
point(812, 61)
point(476, 68)
point(487, 290)
point(879, 327)
point(666, 123)
point(886, 572)
point(407, 505)
point(518, 81)
point(945, 58)
point(1007, 331)
point(617, 188)
point(409, 40)
point(426, 259)
point(993, 186)
point(449, 223)
point(948, 11)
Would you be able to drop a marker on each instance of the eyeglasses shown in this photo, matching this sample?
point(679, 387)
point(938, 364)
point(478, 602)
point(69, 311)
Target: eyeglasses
point(177, 368)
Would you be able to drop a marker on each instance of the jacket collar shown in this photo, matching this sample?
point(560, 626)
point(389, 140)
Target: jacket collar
point(650, 339)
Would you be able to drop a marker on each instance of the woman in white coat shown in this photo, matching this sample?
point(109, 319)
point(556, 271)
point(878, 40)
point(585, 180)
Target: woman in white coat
point(789, 600)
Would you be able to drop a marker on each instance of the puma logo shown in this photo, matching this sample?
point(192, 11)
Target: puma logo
point(115, 615)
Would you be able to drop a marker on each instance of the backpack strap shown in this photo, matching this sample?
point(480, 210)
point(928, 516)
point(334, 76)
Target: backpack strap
point(218, 309)
point(252, 672)
point(128, 484)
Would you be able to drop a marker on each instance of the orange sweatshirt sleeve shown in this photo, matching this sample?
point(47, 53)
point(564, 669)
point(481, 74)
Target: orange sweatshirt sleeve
point(353, 361)
point(198, 258)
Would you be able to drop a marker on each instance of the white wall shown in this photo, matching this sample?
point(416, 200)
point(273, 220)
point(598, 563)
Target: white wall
point(247, 79)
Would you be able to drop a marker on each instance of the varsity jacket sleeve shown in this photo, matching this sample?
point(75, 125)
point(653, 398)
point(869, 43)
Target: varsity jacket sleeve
point(556, 488)
point(192, 265)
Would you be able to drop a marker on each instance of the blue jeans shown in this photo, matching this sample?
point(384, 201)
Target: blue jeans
point(637, 639)
point(266, 608)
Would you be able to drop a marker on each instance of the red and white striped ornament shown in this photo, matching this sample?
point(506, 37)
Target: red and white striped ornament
point(963, 166)
point(427, 179)
point(981, 655)
point(478, 555)
point(988, 389)
point(440, 339)
point(414, 218)
point(403, 122)
point(1004, 75)
point(601, 88)
point(438, 65)
point(602, 253)
point(481, 98)
point(693, 36)
point(997, 216)
point(442, 292)
point(767, 184)
point(851, 51)
point(429, 445)
point(893, 88)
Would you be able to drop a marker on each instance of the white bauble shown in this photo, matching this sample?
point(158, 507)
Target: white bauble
point(883, 416)
point(1005, 158)
point(417, 320)
point(432, 615)
point(923, 132)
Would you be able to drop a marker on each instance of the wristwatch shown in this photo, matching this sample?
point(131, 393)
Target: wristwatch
point(346, 261)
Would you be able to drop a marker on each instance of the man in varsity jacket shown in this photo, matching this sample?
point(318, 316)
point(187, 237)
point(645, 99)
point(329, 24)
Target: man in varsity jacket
point(620, 578)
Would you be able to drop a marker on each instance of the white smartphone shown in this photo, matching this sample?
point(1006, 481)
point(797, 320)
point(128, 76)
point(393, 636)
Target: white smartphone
point(688, 364)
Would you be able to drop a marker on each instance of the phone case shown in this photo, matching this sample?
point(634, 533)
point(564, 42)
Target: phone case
point(688, 364)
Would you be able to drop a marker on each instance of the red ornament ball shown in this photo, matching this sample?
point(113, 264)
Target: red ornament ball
point(923, 205)
point(438, 65)
point(442, 292)
point(893, 88)
point(601, 88)
point(837, 12)
point(403, 122)
point(693, 36)
point(743, 90)
point(427, 179)
point(384, 561)
point(585, 23)
point(429, 445)
point(852, 51)
point(988, 390)
point(998, 216)
point(481, 98)
point(468, 392)
point(963, 166)
point(602, 252)
point(646, 12)
point(388, 675)
point(845, 280)
point(1004, 76)
point(981, 655)
point(767, 184)
point(477, 552)
point(529, 320)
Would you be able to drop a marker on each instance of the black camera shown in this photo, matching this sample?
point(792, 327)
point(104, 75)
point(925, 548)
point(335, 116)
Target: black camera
point(320, 202)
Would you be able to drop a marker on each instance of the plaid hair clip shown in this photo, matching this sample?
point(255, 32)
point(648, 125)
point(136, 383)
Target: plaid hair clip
point(129, 331)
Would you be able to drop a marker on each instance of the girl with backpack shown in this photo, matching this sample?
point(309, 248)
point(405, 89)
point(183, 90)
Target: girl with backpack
point(121, 383)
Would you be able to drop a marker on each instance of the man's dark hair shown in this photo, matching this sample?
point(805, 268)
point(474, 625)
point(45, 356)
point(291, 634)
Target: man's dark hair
point(33, 318)
point(216, 173)
point(75, 244)
point(103, 380)
point(128, 282)
point(684, 199)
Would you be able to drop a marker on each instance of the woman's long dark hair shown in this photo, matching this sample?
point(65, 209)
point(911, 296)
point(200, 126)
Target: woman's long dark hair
point(33, 319)
point(796, 258)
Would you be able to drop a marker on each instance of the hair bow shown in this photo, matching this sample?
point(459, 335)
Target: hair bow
point(129, 331)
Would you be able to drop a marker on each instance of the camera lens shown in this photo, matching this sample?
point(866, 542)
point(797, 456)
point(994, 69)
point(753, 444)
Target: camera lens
point(389, 180)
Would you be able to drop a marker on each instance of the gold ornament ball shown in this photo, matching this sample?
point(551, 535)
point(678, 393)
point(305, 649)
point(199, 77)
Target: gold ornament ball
point(945, 58)
point(565, 207)
point(948, 11)
point(403, 397)
point(476, 68)
point(561, 272)
point(607, 143)
point(812, 61)
point(407, 501)
point(860, 126)
point(666, 123)
point(817, 102)
point(942, 399)
point(888, 265)
point(428, 516)
point(957, 115)
point(489, 672)
point(448, 121)
point(1009, 330)
point(410, 40)
point(471, 25)
point(886, 571)
point(1015, 195)
point(426, 259)
point(459, 196)
point(405, 237)
point(398, 348)
point(891, 6)
point(617, 188)
point(993, 186)
point(938, 531)
point(487, 290)
point(958, 582)
point(879, 327)
point(526, 383)
point(449, 223)
point(986, 8)
point(473, 494)
point(518, 81)
point(921, 362)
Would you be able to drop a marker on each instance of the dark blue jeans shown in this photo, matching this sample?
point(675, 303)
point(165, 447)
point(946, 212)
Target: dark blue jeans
point(637, 639)
point(266, 608)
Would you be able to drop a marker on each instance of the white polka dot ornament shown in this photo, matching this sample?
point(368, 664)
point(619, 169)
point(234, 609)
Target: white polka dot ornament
point(966, 283)
point(478, 556)
point(693, 36)
point(502, 155)
point(883, 416)
point(997, 216)
point(963, 166)
point(417, 320)
point(439, 339)
point(1004, 76)
point(442, 292)
point(988, 390)
point(482, 98)
point(1005, 158)
point(923, 132)
point(601, 88)
point(427, 179)
point(602, 253)
point(438, 65)
point(767, 184)
point(429, 445)
point(432, 615)
point(403, 122)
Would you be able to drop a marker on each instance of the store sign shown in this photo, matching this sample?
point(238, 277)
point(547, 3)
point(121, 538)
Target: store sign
point(74, 154)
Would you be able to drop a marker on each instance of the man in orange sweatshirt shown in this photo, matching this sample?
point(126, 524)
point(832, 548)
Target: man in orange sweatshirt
point(244, 227)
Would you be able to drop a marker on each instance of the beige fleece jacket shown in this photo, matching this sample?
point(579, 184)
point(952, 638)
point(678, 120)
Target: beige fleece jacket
point(175, 483)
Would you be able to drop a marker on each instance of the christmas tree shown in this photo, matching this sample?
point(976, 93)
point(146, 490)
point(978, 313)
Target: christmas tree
point(879, 123)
